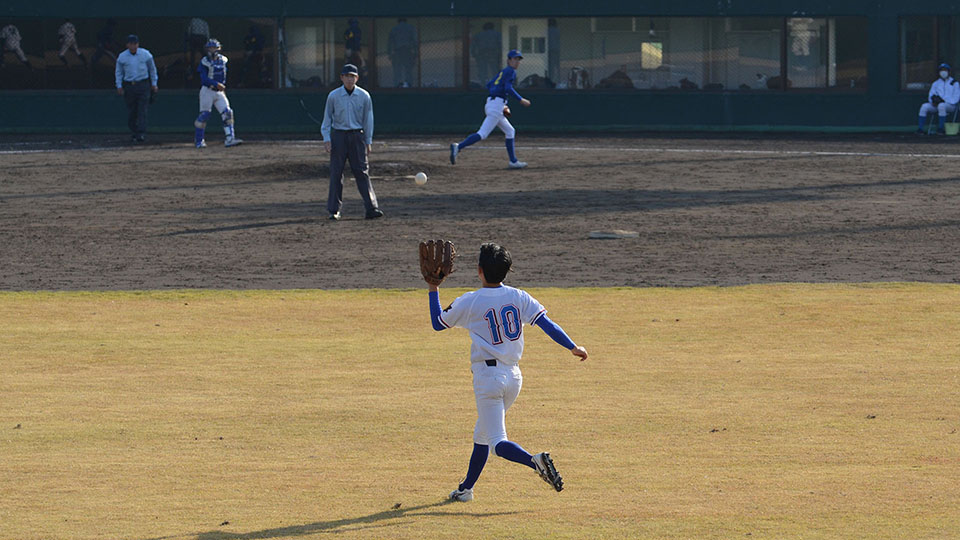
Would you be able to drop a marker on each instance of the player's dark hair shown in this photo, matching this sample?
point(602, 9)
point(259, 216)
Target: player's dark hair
point(495, 262)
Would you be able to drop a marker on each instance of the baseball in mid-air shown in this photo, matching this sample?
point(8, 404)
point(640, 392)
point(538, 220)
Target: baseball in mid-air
point(420, 178)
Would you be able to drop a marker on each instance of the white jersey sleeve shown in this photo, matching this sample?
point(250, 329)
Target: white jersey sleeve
point(530, 309)
point(453, 315)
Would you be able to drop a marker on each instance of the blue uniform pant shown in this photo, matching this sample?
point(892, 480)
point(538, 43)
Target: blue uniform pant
point(350, 145)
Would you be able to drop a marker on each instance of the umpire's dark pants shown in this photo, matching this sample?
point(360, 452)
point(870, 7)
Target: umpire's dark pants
point(344, 145)
point(137, 96)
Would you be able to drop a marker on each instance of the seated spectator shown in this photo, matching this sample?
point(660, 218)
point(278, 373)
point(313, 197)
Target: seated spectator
point(942, 99)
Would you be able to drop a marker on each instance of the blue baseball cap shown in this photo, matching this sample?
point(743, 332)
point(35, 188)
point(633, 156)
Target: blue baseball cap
point(945, 66)
point(514, 54)
point(348, 69)
point(132, 38)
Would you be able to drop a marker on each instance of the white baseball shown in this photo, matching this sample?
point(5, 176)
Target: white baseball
point(420, 178)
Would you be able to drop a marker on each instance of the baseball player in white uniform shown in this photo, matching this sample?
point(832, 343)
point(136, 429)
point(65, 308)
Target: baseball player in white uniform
point(68, 41)
point(10, 35)
point(942, 99)
point(495, 316)
point(213, 77)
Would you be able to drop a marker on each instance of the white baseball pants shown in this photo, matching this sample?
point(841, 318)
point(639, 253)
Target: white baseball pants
point(494, 111)
point(496, 388)
point(211, 98)
point(942, 109)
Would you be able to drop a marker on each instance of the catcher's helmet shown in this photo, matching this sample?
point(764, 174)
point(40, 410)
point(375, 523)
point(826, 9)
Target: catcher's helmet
point(212, 44)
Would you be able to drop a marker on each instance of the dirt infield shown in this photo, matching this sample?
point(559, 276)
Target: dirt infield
point(97, 213)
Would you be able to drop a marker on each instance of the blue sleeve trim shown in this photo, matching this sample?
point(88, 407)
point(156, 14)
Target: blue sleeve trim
point(555, 332)
point(435, 312)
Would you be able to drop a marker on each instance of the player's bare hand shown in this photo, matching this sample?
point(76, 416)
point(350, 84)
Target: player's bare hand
point(155, 89)
point(119, 91)
point(326, 146)
point(525, 102)
point(369, 149)
point(580, 352)
point(221, 87)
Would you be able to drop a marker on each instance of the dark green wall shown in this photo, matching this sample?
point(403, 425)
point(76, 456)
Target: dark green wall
point(268, 111)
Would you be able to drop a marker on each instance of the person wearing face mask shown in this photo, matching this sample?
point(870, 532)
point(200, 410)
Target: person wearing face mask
point(943, 98)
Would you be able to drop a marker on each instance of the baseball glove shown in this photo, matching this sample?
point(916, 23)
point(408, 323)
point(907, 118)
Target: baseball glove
point(506, 111)
point(436, 260)
point(936, 100)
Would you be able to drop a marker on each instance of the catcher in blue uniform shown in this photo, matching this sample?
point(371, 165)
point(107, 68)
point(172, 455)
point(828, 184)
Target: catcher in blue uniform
point(213, 76)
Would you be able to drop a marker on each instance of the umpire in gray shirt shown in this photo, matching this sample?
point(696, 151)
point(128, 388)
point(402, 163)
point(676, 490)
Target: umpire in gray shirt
point(348, 134)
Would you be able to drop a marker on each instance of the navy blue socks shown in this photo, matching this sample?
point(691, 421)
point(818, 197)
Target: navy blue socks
point(477, 461)
point(513, 157)
point(475, 137)
point(512, 451)
point(508, 450)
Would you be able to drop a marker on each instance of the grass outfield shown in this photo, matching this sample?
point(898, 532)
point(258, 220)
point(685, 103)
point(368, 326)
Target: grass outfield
point(777, 411)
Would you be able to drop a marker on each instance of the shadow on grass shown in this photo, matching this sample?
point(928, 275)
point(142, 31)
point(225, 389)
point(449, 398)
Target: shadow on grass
point(340, 525)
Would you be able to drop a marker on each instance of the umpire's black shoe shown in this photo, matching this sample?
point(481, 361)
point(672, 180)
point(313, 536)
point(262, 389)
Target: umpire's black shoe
point(335, 216)
point(374, 214)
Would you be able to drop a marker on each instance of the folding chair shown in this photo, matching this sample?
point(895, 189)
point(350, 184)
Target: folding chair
point(931, 126)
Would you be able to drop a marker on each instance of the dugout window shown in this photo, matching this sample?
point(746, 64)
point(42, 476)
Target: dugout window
point(667, 53)
point(828, 53)
point(486, 51)
point(312, 51)
point(741, 54)
point(81, 53)
point(925, 42)
point(418, 52)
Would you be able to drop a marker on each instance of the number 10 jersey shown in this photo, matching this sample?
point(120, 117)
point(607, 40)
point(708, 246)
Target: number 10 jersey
point(494, 316)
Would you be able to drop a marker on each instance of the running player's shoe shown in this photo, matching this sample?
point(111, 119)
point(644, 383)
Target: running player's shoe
point(232, 141)
point(202, 144)
point(518, 164)
point(462, 495)
point(454, 150)
point(547, 471)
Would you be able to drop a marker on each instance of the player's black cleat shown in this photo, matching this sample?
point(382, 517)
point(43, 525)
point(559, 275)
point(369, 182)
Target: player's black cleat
point(546, 470)
point(374, 214)
point(335, 216)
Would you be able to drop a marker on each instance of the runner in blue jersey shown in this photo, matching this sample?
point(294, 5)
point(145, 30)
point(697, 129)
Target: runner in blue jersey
point(500, 89)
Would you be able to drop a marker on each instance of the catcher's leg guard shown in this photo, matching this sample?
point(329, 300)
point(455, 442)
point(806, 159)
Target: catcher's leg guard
point(227, 117)
point(201, 125)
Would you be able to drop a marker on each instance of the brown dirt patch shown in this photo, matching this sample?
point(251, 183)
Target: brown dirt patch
point(95, 213)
